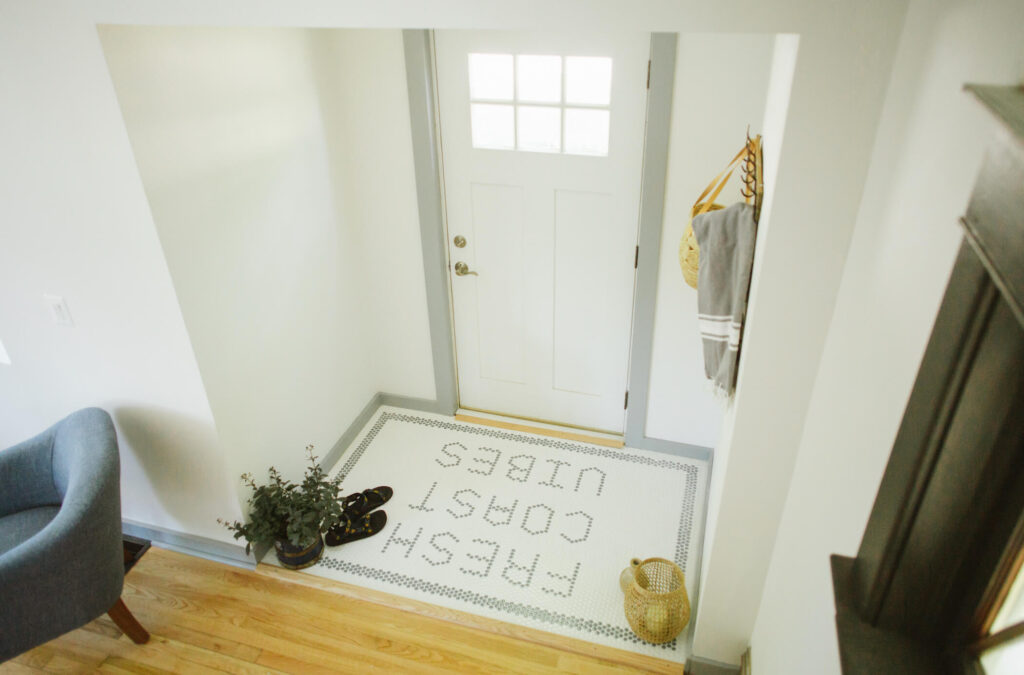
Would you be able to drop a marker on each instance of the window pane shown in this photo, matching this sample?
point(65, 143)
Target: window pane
point(490, 76)
point(492, 126)
point(539, 128)
point(539, 78)
point(1012, 609)
point(588, 79)
point(1006, 659)
point(586, 131)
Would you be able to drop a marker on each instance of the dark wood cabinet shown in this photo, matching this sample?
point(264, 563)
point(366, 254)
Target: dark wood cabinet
point(947, 525)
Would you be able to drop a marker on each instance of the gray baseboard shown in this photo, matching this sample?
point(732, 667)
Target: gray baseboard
point(699, 558)
point(233, 554)
point(698, 452)
point(380, 398)
point(413, 403)
point(331, 458)
point(698, 666)
point(191, 544)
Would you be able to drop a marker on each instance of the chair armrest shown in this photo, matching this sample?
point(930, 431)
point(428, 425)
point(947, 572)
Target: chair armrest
point(26, 474)
point(60, 579)
point(72, 570)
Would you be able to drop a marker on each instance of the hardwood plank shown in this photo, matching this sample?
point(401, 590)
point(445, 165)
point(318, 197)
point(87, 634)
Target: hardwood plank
point(416, 650)
point(340, 624)
point(373, 655)
point(160, 655)
point(178, 657)
point(16, 668)
point(337, 618)
point(520, 633)
point(208, 617)
point(36, 659)
point(67, 664)
point(288, 664)
point(67, 657)
point(104, 625)
point(208, 641)
point(118, 665)
point(570, 663)
point(542, 431)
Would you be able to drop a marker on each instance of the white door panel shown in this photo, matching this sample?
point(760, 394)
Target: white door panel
point(549, 207)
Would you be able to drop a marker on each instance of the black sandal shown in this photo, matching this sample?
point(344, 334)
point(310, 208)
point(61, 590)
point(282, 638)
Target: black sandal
point(363, 502)
point(350, 528)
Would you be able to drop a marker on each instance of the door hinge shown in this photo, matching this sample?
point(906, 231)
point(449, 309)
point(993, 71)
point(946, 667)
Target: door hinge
point(648, 73)
point(636, 258)
point(625, 402)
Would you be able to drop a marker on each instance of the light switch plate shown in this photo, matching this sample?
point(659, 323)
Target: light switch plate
point(58, 310)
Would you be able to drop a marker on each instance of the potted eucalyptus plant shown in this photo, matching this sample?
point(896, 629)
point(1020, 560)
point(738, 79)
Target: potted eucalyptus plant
point(292, 515)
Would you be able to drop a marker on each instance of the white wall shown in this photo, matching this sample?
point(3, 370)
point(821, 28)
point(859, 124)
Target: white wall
point(266, 155)
point(279, 173)
point(783, 60)
point(925, 158)
point(75, 223)
point(229, 139)
point(367, 97)
point(720, 87)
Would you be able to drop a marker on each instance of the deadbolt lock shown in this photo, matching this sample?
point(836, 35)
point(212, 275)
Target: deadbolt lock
point(460, 241)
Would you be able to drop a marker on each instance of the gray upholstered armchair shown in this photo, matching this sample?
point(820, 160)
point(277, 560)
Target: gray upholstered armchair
point(61, 556)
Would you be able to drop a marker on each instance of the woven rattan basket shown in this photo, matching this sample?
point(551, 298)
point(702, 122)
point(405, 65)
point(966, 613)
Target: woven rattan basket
point(656, 604)
point(689, 252)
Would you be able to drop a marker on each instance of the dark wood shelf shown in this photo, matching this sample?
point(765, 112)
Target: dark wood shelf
point(134, 549)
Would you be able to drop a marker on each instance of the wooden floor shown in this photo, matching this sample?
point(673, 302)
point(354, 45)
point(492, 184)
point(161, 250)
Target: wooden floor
point(208, 617)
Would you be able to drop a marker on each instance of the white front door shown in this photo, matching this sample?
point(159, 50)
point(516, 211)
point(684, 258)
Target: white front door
point(542, 144)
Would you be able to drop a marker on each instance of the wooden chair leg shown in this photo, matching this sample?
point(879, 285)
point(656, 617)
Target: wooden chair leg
point(128, 624)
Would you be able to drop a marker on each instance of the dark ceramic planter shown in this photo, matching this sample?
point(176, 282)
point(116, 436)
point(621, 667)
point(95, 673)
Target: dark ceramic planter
point(298, 557)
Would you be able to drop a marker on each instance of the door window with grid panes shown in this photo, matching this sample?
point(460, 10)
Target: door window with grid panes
point(540, 103)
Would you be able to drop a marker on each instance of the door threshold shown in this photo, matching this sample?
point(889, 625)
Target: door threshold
point(540, 428)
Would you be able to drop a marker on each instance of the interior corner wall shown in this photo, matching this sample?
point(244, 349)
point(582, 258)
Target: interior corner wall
point(925, 159)
point(75, 223)
point(279, 174)
point(720, 87)
point(369, 109)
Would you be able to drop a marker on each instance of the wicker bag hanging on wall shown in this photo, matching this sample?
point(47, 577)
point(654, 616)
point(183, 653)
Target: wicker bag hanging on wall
point(689, 252)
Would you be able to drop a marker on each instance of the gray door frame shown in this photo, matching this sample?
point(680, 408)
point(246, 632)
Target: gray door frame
point(419, 66)
point(426, 149)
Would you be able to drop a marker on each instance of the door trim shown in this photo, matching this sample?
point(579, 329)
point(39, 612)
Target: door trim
point(426, 142)
point(645, 290)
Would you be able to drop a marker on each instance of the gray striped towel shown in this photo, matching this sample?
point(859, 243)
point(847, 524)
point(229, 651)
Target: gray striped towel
point(726, 241)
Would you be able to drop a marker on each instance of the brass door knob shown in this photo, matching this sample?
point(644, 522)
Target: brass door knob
point(462, 269)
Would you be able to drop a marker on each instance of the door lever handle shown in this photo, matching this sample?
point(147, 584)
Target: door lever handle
point(462, 269)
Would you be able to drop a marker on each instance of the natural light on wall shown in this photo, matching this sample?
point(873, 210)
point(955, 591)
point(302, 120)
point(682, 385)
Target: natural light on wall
point(540, 103)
